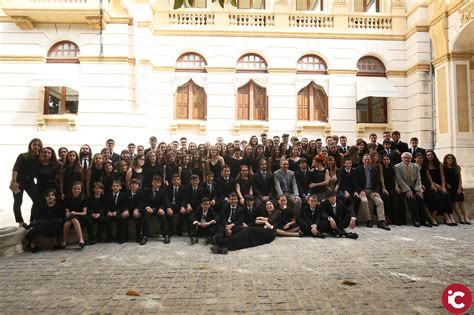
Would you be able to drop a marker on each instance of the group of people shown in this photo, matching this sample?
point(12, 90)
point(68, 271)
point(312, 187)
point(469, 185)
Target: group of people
point(235, 195)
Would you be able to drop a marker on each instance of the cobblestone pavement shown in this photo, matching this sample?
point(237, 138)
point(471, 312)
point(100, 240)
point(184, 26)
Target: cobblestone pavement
point(397, 272)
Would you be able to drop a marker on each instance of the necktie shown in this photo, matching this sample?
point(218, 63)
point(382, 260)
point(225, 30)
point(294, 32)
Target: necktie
point(388, 152)
point(84, 163)
point(334, 209)
point(210, 187)
point(264, 175)
point(409, 171)
point(154, 194)
point(175, 190)
point(231, 214)
point(115, 197)
point(203, 218)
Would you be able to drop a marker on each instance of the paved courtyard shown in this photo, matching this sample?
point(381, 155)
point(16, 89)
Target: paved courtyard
point(397, 272)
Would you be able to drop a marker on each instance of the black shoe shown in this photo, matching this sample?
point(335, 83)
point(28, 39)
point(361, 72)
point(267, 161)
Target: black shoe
point(81, 245)
point(352, 235)
point(427, 224)
point(320, 235)
point(383, 225)
point(143, 241)
point(369, 224)
point(91, 242)
point(167, 240)
point(435, 224)
point(123, 241)
point(468, 222)
point(34, 250)
point(219, 250)
point(416, 224)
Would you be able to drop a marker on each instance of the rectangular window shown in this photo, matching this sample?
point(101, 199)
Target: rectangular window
point(60, 100)
point(372, 110)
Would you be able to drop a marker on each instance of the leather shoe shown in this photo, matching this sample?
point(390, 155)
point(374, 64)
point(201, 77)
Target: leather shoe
point(352, 235)
point(416, 224)
point(219, 250)
point(383, 225)
point(369, 224)
point(167, 239)
point(143, 241)
point(427, 224)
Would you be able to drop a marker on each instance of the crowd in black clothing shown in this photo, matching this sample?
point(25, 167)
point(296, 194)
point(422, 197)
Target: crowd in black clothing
point(237, 194)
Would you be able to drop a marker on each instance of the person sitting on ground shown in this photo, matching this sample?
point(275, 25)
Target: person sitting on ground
point(338, 216)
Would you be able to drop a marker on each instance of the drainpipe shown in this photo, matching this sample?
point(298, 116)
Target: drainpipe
point(433, 107)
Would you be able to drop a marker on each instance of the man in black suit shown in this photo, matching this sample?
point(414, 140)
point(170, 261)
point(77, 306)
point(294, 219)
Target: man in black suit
point(303, 179)
point(311, 222)
point(367, 186)
point(345, 192)
point(116, 205)
point(209, 188)
point(203, 222)
point(231, 219)
point(414, 148)
point(397, 144)
point(156, 203)
point(194, 194)
point(338, 216)
point(135, 210)
point(394, 155)
point(251, 212)
point(110, 144)
point(153, 143)
point(177, 198)
point(343, 148)
point(262, 184)
point(225, 185)
point(373, 139)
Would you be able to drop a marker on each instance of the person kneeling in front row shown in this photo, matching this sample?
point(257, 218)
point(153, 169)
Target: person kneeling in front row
point(338, 216)
point(203, 222)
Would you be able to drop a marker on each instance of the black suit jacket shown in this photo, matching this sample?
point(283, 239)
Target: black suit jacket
point(180, 197)
point(211, 194)
point(121, 205)
point(312, 217)
point(96, 205)
point(223, 188)
point(197, 216)
point(114, 157)
point(237, 218)
point(303, 182)
point(194, 198)
point(342, 212)
point(359, 179)
point(160, 200)
point(417, 150)
point(394, 156)
point(135, 201)
point(261, 187)
point(400, 146)
point(251, 216)
point(346, 181)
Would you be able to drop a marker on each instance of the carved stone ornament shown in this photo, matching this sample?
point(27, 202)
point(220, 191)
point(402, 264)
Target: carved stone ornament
point(466, 14)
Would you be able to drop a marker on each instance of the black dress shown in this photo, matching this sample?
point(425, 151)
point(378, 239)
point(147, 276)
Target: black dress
point(47, 178)
point(216, 169)
point(186, 173)
point(391, 202)
point(245, 185)
point(69, 177)
point(442, 202)
point(318, 176)
point(96, 176)
point(149, 171)
point(49, 221)
point(453, 178)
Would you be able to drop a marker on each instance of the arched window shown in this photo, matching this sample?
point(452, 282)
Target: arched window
point(191, 62)
point(63, 52)
point(251, 63)
point(370, 66)
point(191, 102)
point(311, 64)
point(252, 102)
point(309, 5)
point(312, 103)
point(251, 4)
point(369, 6)
point(371, 109)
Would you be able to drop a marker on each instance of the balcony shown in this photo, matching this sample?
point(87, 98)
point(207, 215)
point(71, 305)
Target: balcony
point(27, 13)
point(281, 20)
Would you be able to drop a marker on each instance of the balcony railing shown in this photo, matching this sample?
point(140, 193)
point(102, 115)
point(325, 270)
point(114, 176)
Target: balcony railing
point(311, 20)
point(370, 22)
point(191, 18)
point(252, 19)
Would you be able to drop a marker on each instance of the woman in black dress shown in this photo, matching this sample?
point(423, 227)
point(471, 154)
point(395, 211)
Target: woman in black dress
point(136, 170)
point(23, 174)
point(243, 183)
point(49, 221)
point(215, 162)
point(152, 167)
point(94, 172)
point(62, 153)
point(280, 218)
point(171, 167)
point(185, 171)
point(48, 171)
point(235, 162)
point(275, 158)
point(319, 178)
point(75, 207)
point(294, 159)
point(452, 174)
point(198, 167)
point(71, 171)
point(108, 176)
point(435, 175)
